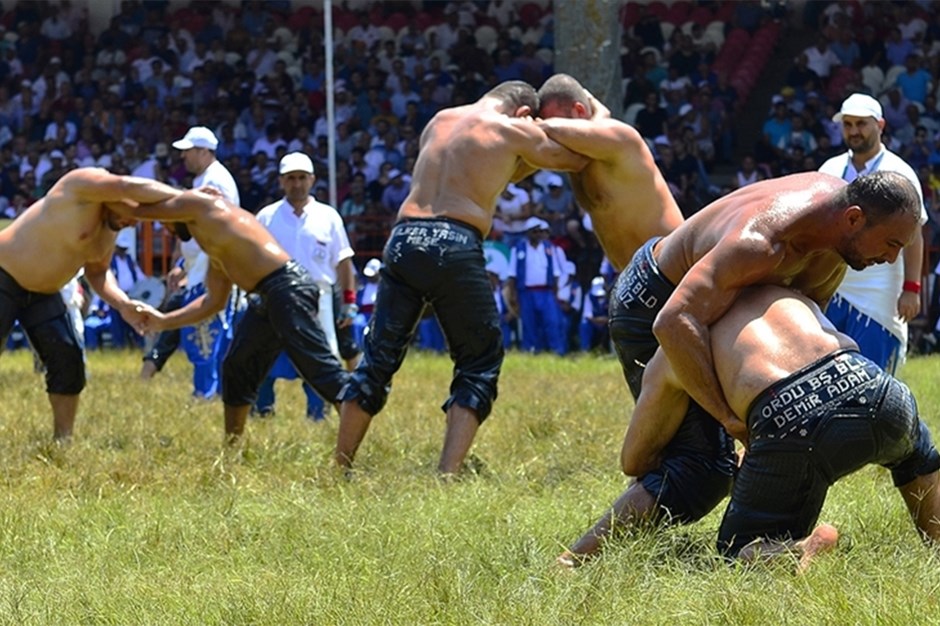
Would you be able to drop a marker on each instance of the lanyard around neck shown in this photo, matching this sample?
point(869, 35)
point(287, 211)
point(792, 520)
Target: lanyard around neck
point(873, 168)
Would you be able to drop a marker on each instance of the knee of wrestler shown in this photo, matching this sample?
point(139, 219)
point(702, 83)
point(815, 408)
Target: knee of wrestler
point(473, 395)
point(476, 376)
point(65, 370)
point(237, 390)
point(687, 490)
point(370, 396)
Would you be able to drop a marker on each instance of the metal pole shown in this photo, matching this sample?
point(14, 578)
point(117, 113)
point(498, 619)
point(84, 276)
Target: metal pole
point(330, 115)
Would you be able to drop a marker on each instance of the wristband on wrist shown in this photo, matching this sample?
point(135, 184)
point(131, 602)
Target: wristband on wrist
point(911, 286)
point(349, 296)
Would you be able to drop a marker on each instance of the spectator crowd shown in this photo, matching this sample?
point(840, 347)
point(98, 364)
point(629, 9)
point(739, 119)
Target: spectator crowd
point(254, 73)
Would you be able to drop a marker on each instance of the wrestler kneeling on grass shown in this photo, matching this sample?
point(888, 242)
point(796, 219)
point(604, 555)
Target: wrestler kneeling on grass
point(816, 410)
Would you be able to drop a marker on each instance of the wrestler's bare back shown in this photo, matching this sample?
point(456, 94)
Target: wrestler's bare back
point(768, 334)
point(784, 213)
point(233, 239)
point(57, 235)
point(464, 163)
point(626, 195)
point(469, 154)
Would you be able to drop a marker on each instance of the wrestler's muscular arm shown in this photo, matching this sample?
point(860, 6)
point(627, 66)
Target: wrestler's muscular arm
point(184, 206)
point(100, 186)
point(218, 288)
point(702, 296)
point(656, 417)
point(603, 139)
point(537, 150)
point(102, 280)
point(118, 193)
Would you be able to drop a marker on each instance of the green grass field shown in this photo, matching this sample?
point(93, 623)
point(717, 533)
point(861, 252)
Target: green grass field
point(147, 519)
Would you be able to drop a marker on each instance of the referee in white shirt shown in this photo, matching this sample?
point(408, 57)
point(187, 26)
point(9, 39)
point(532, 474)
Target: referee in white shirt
point(874, 306)
point(314, 235)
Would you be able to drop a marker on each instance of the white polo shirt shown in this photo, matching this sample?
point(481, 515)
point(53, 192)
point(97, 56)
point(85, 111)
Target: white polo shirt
point(875, 290)
point(316, 238)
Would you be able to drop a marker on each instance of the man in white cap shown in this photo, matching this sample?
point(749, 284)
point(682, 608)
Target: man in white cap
point(537, 268)
point(314, 235)
point(205, 342)
point(874, 306)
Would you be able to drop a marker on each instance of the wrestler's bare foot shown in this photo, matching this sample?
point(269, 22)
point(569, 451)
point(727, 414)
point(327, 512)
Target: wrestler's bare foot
point(568, 560)
point(823, 539)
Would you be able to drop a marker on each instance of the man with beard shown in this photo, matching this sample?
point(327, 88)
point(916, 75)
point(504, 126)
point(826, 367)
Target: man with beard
point(874, 307)
point(799, 231)
point(283, 300)
point(71, 227)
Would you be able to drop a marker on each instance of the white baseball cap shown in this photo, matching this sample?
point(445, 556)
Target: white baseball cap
point(372, 267)
point(125, 238)
point(860, 105)
point(197, 137)
point(296, 162)
point(535, 222)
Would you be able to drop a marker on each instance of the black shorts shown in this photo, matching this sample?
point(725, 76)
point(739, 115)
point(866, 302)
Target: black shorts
point(437, 262)
point(282, 315)
point(697, 470)
point(638, 296)
point(812, 428)
point(699, 463)
point(46, 321)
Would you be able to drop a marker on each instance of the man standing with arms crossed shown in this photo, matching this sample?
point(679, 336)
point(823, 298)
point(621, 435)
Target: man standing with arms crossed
point(205, 342)
point(69, 228)
point(313, 234)
point(873, 307)
point(435, 255)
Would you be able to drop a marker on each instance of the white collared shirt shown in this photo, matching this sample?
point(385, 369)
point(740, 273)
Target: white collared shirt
point(316, 238)
point(875, 290)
